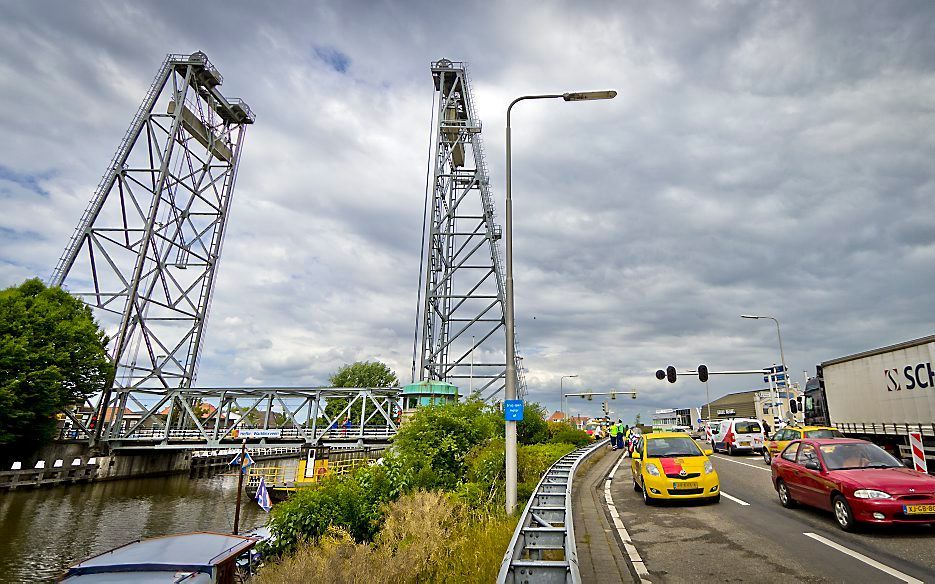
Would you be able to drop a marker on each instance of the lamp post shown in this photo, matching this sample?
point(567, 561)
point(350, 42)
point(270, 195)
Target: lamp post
point(782, 355)
point(561, 389)
point(510, 389)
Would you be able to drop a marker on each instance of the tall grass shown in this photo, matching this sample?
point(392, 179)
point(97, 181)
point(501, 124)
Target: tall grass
point(425, 537)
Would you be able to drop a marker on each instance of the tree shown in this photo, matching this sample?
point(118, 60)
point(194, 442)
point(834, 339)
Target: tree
point(52, 354)
point(636, 422)
point(358, 374)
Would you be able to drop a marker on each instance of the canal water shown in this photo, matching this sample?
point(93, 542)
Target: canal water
point(43, 531)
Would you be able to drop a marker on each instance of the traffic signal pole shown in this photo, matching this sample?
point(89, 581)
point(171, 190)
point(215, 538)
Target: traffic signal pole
point(671, 374)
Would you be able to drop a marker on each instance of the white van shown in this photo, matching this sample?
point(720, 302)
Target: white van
point(737, 434)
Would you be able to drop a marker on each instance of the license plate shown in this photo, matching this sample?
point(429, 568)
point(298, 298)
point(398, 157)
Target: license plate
point(918, 509)
point(685, 485)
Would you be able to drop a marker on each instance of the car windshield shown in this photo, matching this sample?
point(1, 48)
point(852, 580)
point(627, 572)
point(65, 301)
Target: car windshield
point(669, 447)
point(856, 455)
point(748, 427)
point(823, 433)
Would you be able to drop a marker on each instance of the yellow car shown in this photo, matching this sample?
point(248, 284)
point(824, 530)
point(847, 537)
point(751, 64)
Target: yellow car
point(778, 442)
point(670, 465)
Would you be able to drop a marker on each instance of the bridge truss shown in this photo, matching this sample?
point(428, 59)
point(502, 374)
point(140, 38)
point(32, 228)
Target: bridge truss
point(462, 325)
point(211, 418)
point(145, 253)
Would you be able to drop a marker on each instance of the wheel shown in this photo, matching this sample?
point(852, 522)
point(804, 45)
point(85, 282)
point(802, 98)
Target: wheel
point(767, 458)
point(785, 498)
point(646, 498)
point(842, 513)
point(730, 450)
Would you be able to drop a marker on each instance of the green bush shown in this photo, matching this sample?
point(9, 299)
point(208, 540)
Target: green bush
point(430, 449)
point(562, 432)
point(353, 502)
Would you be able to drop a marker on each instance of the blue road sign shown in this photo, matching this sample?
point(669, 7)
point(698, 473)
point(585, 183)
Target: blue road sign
point(513, 410)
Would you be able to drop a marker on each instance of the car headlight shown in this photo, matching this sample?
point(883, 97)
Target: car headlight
point(871, 494)
point(651, 469)
point(708, 467)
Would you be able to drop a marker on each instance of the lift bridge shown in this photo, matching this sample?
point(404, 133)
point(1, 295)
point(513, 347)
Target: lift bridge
point(145, 254)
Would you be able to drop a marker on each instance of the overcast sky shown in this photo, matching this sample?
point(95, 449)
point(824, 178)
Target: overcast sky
point(761, 157)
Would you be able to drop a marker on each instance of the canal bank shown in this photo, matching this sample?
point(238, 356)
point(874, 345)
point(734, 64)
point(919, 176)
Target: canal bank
point(46, 530)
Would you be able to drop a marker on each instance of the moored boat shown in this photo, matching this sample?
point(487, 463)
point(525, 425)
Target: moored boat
point(189, 558)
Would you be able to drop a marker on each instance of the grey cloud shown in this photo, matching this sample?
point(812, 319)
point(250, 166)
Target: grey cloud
point(761, 156)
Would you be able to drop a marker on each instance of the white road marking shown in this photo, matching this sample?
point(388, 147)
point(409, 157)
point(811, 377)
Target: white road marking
point(638, 565)
point(758, 467)
point(869, 561)
point(735, 499)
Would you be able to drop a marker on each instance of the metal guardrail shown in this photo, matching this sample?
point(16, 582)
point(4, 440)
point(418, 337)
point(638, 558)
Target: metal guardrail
point(543, 546)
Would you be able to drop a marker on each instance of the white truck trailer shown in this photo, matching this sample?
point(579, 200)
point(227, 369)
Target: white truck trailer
point(879, 395)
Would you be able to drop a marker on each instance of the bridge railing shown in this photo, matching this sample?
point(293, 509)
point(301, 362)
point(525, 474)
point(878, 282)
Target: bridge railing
point(543, 546)
point(289, 434)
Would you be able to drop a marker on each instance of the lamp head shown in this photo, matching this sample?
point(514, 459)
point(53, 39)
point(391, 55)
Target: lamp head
point(588, 95)
point(753, 316)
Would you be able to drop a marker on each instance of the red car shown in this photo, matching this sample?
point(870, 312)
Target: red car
point(857, 480)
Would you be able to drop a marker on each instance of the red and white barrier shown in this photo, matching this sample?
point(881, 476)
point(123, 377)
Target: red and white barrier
point(918, 452)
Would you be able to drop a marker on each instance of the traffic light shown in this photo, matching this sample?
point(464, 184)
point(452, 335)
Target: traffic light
point(604, 407)
point(793, 406)
point(702, 373)
point(669, 374)
point(613, 395)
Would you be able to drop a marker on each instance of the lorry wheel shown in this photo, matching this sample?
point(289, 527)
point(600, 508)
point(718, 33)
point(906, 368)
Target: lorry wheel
point(842, 513)
point(785, 499)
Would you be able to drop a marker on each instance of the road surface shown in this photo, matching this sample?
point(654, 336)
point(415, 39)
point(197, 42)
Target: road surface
point(750, 537)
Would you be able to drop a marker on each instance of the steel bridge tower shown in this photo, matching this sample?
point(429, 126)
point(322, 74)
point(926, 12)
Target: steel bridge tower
point(462, 328)
point(145, 253)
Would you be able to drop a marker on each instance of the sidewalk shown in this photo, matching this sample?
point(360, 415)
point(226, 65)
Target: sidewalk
point(600, 557)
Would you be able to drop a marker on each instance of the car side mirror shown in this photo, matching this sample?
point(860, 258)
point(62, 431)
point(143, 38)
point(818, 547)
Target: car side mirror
point(812, 465)
point(707, 452)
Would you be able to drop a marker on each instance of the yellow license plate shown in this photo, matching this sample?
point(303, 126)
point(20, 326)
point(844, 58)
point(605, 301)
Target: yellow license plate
point(685, 485)
point(918, 509)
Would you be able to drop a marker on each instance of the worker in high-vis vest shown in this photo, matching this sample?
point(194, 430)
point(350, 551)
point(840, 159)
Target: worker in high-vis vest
point(613, 436)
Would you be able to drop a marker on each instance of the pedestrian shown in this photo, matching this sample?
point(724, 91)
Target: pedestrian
point(347, 425)
point(620, 431)
point(613, 436)
point(765, 428)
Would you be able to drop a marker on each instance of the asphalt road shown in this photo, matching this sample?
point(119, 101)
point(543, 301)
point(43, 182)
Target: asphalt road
point(752, 538)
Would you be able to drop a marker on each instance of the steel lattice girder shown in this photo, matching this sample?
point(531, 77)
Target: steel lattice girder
point(145, 253)
point(462, 315)
point(212, 417)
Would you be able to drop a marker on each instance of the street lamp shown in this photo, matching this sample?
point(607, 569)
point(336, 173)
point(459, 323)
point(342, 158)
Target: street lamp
point(510, 389)
point(561, 394)
point(782, 355)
